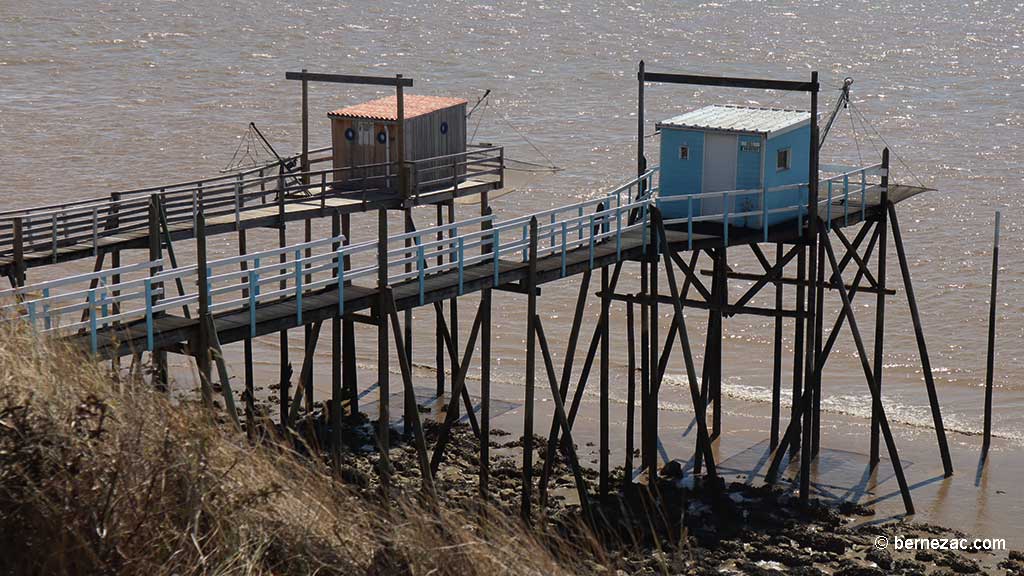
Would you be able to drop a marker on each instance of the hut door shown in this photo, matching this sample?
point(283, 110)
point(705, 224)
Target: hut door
point(363, 150)
point(720, 153)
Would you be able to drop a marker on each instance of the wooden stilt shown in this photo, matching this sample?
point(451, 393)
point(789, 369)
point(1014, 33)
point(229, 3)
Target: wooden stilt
point(307, 373)
point(926, 365)
point(439, 317)
point(411, 406)
point(777, 357)
point(285, 367)
point(630, 394)
point(875, 392)
point(383, 352)
point(604, 417)
point(704, 440)
point(812, 237)
point(457, 382)
point(569, 447)
point(410, 393)
point(247, 359)
point(563, 390)
point(655, 384)
point(531, 355)
point(485, 368)
point(202, 351)
point(349, 373)
point(879, 360)
point(453, 304)
point(721, 265)
point(159, 357)
point(337, 390)
point(854, 288)
point(798, 345)
point(446, 335)
point(819, 318)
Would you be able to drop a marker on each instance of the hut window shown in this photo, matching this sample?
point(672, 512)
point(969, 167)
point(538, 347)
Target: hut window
point(350, 134)
point(444, 127)
point(782, 159)
point(382, 137)
point(684, 152)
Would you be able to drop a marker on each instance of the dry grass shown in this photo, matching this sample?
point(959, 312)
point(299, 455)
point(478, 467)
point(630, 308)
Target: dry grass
point(99, 474)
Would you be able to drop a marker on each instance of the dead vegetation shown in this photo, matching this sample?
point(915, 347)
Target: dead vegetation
point(101, 474)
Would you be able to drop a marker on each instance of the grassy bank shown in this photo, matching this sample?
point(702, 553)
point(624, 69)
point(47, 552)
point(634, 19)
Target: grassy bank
point(101, 474)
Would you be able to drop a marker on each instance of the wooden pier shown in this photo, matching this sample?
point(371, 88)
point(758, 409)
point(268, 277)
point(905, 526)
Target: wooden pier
point(161, 306)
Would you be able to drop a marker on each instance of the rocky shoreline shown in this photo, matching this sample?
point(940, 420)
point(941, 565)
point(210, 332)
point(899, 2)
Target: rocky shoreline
point(725, 529)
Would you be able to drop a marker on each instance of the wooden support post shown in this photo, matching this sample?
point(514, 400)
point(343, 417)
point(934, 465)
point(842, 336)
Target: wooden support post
point(202, 351)
point(563, 390)
point(403, 182)
point(653, 388)
point(812, 238)
point(531, 358)
point(630, 395)
point(777, 356)
point(250, 380)
point(990, 358)
point(439, 317)
point(890, 443)
point(722, 301)
point(304, 164)
point(222, 371)
point(307, 375)
point(453, 303)
point(703, 438)
point(798, 345)
point(349, 372)
point(458, 381)
point(464, 393)
point(159, 357)
point(563, 421)
point(605, 419)
point(337, 390)
point(879, 360)
point(285, 366)
point(485, 370)
point(383, 352)
point(410, 404)
point(926, 365)
point(410, 395)
point(819, 318)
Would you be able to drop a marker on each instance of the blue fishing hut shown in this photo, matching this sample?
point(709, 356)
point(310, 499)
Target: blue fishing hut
point(747, 152)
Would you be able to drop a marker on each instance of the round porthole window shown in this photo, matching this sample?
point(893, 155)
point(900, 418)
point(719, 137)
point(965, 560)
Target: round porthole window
point(350, 134)
point(444, 127)
point(382, 137)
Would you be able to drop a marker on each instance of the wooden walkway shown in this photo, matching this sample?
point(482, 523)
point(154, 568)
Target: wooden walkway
point(172, 331)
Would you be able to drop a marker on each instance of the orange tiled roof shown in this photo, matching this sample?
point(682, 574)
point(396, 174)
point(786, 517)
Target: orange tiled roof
point(387, 108)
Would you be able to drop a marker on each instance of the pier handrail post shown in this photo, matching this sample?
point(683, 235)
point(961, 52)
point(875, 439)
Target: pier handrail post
point(202, 350)
point(19, 252)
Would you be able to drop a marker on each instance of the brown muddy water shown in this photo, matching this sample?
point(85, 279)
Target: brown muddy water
point(101, 96)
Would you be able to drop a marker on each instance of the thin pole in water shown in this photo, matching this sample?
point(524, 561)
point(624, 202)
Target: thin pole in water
point(990, 361)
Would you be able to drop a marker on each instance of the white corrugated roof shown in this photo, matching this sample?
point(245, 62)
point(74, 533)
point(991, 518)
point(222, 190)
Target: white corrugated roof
point(740, 119)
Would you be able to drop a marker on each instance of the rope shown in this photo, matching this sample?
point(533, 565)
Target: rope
point(479, 119)
point(856, 138)
point(552, 165)
point(891, 150)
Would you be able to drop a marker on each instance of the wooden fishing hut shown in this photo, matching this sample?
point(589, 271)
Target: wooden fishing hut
point(434, 128)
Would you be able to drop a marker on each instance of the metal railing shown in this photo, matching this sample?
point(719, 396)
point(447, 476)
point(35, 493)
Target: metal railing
point(44, 231)
point(243, 283)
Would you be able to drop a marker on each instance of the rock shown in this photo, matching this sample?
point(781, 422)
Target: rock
point(880, 556)
point(958, 563)
point(673, 470)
